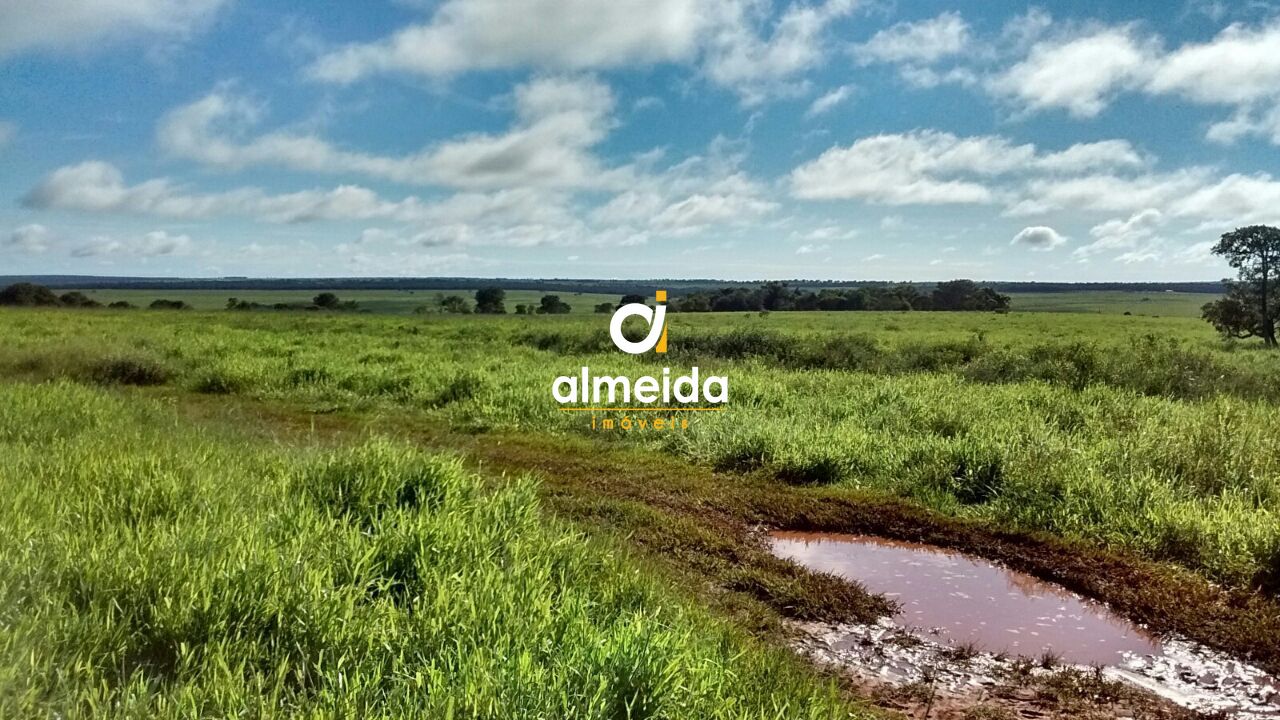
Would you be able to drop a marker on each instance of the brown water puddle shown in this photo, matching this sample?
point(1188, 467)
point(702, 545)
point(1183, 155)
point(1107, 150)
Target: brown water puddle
point(969, 600)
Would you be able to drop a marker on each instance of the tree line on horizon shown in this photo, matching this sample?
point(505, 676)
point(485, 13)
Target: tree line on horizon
point(953, 295)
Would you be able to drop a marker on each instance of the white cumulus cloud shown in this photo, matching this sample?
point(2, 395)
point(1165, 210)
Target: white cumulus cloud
point(34, 238)
point(1079, 74)
point(558, 120)
point(81, 24)
point(152, 244)
point(828, 101)
point(921, 42)
point(1039, 238)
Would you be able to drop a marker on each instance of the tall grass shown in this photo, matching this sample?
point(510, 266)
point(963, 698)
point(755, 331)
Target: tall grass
point(1147, 434)
point(153, 569)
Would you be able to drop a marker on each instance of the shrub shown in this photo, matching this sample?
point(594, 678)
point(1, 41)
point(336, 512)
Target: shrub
point(977, 481)
point(76, 298)
point(129, 370)
point(308, 376)
point(490, 301)
point(219, 382)
point(552, 305)
point(463, 386)
point(28, 294)
point(848, 352)
point(162, 304)
point(326, 300)
point(824, 470)
point(363, 483)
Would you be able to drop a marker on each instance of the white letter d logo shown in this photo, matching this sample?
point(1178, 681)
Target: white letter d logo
point(657, 319)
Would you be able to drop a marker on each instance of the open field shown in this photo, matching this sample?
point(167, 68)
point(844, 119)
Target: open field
point(1165, 304)
point(1142, 432)
point(156, 570)
point(1142, 447)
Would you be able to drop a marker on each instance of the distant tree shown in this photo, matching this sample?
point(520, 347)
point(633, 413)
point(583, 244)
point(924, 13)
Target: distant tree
point(27, 294)
point(454, 304)
point(490, 301)
point(632, 298)
point(1249, 307)
point(326, 300)
point(121, 305)
point(776, 296)
point(604, 307)
point(553, 305)
point(965, 295)
point(169, 305)
point(697, 302)
point(521, 308)
point(955, 295)
point(75, 298)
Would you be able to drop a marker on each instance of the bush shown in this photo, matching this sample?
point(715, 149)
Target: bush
point(326, 300)
point(121, 305)
point(490, 301)
point(851, 352)
point(364, 483)
point(552, 305)
point(169, 305)
point(28, 294)
point(129, 371)
point(76, 298)
point(978, 476)
point(463, 386)
point(219, 382)
point(823, 470)
point(308, 376)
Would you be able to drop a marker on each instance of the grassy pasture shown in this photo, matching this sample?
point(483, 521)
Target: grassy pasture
point(149, 568)
point(1165, 304)
point(148, 561)
point(1147, 434)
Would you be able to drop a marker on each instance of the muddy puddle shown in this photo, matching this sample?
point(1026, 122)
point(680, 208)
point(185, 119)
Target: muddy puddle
point(965, 600)
point(965, 622)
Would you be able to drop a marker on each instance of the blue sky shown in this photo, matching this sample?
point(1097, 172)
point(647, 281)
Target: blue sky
point(832, 139)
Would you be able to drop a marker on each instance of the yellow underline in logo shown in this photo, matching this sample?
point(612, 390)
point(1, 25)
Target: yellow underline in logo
point(663, 409)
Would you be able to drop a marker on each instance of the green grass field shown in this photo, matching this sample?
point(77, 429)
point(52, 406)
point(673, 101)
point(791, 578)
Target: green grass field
point(159, 532)
point(152, 569)
point(1165, 304)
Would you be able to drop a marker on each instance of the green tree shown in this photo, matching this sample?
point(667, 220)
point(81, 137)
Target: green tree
point(604, 307)
point(326, 300)
point(490, 301)
point(75, 298)
point(553, 305)
point(27, 294)
point(454, 304)
point(632, 298)
point(1249, 308)
point(162, 304)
